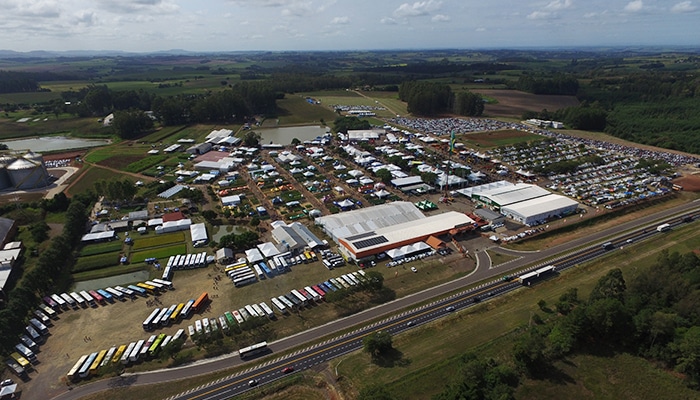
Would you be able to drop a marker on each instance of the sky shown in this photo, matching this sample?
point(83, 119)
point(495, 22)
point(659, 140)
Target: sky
point(288, 25)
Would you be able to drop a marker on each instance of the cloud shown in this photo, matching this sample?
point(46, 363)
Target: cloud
point(298, 9)
point(440, 18)
point(536, 15)
point(558, 5)
point(262, 3)
point(634, 6)
point(137, 6)
point(684, 7)
point(388, 21)
point(340, 21)
point(480, 29)
point(85, 18)
point(417, 9)
point(36, 8)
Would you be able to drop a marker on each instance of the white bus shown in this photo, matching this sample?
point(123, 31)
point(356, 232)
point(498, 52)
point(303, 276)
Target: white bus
point(190, 329)
point(302, 299)
point(88, 299)
point(187, 309)
point(245, 280)
point(198, 326)
point(159, 317)
point(127, 353)
point(43, 317)
point(205, 325)
point(279, 305)
point(267, 310)
point(135, 352)
point(165, 321)
point(156, 285)
point(116, 293)
point(259, 272)
point(167, 273)
point(26, 352)
point(312, 292)
point(244, 313)
point(108, 356)
point(61, 302)
point(165, 283)
point(251, 311)
point(223, 323)
point(39, 326)
point(143, 353)
point(253, 350)
point(284, 300)
point(258, 310)
point(148, 322)
point(237, 316)
point(85, 368)
point(73, 373)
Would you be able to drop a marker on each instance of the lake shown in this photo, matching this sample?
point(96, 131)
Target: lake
point(53, 143)
point(101, 283)
point(284, 135)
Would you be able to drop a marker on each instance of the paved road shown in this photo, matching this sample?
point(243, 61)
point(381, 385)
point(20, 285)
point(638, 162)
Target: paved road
point(482, 272)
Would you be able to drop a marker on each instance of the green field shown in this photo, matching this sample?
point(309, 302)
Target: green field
point(295, 110)
point(86, 180)
point(159, 253)
point(99, 248)
point(144, 242)
point(89, 263)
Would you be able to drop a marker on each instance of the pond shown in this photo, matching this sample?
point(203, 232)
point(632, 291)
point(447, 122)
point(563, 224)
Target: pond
point(284, 135)
point(53, 143)
point(123, 279)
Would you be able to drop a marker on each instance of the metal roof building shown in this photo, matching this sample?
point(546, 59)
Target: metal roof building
point(503, 196)
point(537, 210)
point(368, 219)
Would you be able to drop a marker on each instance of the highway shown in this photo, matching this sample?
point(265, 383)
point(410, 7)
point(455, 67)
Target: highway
point(396, 320)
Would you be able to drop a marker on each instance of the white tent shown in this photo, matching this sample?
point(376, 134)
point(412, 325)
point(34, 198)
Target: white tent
point(268, 249)
point(382, 193)
point(253, 255)
point(198, 232)
point(409, 249)
point(346, 203)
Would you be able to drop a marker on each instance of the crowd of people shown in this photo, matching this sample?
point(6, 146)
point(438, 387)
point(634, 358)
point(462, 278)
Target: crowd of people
point(445, 126)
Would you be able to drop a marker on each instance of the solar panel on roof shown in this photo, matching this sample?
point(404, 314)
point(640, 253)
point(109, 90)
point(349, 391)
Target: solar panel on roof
point(360, 236)
point(370, 242)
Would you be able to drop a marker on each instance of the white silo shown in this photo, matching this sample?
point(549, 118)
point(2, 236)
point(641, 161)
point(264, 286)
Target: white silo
point(28, 172)
point(5, 160)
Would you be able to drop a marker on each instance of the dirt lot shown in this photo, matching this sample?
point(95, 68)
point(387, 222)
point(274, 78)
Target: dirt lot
point(690, 183)
point(512, 103)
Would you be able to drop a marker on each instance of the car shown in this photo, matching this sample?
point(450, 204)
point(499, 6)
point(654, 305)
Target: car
point(414, 269)
point(409, 323)
point(287, 370)
point(7, 382)
point(252, 382)
point(450, 308)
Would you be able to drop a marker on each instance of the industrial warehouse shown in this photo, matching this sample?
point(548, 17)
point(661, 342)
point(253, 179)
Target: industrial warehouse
point(364, 233)
point(524, 203)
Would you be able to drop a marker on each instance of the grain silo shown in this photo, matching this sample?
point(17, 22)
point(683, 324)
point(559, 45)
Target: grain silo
point(28, 172)
point(5, 160)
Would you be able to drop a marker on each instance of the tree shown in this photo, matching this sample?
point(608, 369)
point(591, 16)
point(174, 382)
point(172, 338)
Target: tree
point(384, 175)
point(375, 280)
point(39, 231)
point(131, 123)
point(429, 177)
point(377, 344)
point(689, 355)
point(251, 139)
point(610, 286)
point(255, 221)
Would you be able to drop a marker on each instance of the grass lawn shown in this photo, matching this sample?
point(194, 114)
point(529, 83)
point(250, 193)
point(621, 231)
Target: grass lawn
point(143, 242)
point(86, 180)
point(65, 125)
point(106, 272)
point(295, 110)
point(99, 248)
point(97, 261)
point(159, 253)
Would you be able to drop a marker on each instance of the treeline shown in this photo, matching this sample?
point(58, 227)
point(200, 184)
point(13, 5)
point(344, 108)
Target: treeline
point(47, 276)
point(440, 67)
point(433, 99)
point(587, 117)
point(17, 82)
point(558, 84)
point(655, 316)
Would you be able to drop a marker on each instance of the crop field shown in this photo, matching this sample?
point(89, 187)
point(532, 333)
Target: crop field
point(145, 163)
point(28, 98)
point(158, 252)
point(89, 263)
point(158, 240)
point(294, 109)
point(513, 103)
point(99, 248)
point(64, 126)
point(497, 138)
point(91, 174)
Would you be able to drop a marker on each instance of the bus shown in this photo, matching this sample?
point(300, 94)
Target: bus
point(166, 284)
point(251, 310)
point(98, 297)
point(237, 316)
point(213, 324)
point(245, 280)
point(244, 313)
point(69, 300)
point(138, 290)
point(143, 353)
point(73, 373)
point(302, 299)
point(187, 309)
point(78, 299)
point(663, 227)
point(126, 291)
point(229, 318)
point(108, 356)
point(16, 368)
point(165, 341)
point(293, 299)
point(50, 302)
point(258, 271)
point(175, 316)
point(23, 362)
point(267, 310)
point(165, 320)
point(148, 322)
point(171, 259)
point(205, 325)
point(167, 273)
point(305, 294)
point(265, 269)
point(39, 326)
point(312, 292)
point(253, 350)
point(106, 295)
point(116, 293)
point(118, 354)
point(28, 342)
point(32, 332)
point(258, 310)
point(279, 305)
point(284, 300)
point(60, 301)
point(127, 353)
point(158, 286)
point(42, 317)
point(152, 290)
point(201, 302)
point(89, 300)
point(223, 323)
point(26, 352)
point(155, 346)
point(178, 334)
point(97, 361)
point(191, 330)
point(85, 368)
point(134, 356)
point(330, 286)
point(159, 317)
point(320, 291)
point(198, 326)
